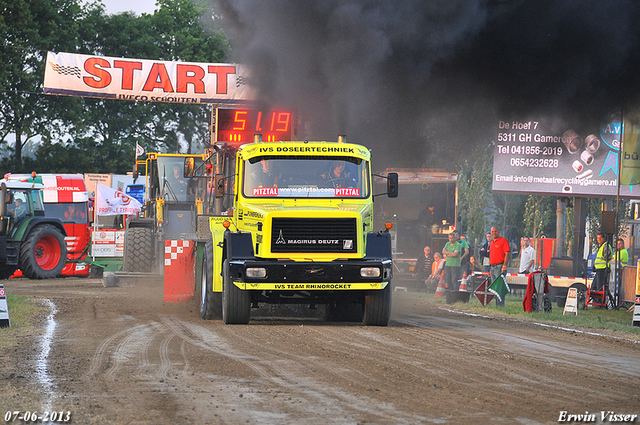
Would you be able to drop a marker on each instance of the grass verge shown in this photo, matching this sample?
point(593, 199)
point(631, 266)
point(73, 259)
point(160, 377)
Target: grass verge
point(615, 322)
point(24, 314)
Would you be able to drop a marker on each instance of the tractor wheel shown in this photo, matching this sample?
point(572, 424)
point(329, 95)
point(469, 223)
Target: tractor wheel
point(138, 250)
point(43, 253)
point(377, 307)
point(210, 302)
point(6, 272)
point(236, 303)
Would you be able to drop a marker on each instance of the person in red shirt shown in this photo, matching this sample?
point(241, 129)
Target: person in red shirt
point(498, 257)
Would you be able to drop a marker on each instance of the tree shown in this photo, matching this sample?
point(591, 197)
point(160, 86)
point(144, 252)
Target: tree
point(539, 216)
point(474, 188)
point(98, 135)
point(29, 28)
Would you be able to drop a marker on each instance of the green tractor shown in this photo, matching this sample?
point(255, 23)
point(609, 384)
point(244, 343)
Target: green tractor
point(28, 240)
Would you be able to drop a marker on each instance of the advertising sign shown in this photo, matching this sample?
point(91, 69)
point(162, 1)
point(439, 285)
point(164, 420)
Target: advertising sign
point(71, 74)
point(544, 157)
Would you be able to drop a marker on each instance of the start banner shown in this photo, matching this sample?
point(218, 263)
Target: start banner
point(71, 74)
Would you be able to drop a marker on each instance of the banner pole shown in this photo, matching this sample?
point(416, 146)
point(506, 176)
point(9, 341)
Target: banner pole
point(616, 296)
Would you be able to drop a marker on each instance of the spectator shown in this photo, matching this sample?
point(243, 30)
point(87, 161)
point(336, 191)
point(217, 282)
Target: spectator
point(484, 253)
point(601, 263)
point(498, 257)
point(464, 253)
point(437, 271)
point(423, 266)
point(622, 259)
point(472, 268)
point(426, 221)
point(451, 253)
point(622, 255)
point(527, 256)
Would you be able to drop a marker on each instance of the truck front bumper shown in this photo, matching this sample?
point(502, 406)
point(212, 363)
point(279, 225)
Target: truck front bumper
point(311, 276)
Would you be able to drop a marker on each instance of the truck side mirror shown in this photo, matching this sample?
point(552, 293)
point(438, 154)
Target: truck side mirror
point(392, 185)
point(189, 167)
point(219, 183)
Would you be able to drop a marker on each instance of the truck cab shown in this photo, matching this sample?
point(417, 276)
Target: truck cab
point(301, 232)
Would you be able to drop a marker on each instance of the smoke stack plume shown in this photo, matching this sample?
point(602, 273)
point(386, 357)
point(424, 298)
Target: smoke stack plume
point(420, 82)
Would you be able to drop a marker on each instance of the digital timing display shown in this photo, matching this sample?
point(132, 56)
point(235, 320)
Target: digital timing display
point(240, 125)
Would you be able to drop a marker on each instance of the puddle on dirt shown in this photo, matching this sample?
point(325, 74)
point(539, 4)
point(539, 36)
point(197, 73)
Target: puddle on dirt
point(42, 374)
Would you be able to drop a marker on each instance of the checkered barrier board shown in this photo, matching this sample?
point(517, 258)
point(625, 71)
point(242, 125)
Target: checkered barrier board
point(4, 309)
point(179, 273)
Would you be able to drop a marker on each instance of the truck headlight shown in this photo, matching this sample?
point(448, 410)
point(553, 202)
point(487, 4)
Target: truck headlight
point(256, 272)
point(370, 272)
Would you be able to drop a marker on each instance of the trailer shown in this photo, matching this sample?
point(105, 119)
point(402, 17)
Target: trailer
point(414, 225)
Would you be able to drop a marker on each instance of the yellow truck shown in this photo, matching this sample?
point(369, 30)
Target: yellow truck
point(299, 230)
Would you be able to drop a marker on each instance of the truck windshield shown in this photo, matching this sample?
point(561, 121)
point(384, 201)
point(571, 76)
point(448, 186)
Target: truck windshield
point(67, 212)
point(306, 177)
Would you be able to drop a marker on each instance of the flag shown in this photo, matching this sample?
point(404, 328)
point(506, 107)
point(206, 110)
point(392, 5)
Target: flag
point(139, 150)
point(114, 202)
point(484, 296)
point(630, 156)
point(499, 288)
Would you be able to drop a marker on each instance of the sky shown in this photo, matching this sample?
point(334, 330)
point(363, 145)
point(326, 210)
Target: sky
point(138, 6)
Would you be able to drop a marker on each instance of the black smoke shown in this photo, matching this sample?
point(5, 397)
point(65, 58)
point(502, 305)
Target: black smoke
point(422, 81)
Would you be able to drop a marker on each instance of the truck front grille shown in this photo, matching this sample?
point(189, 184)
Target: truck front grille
point(336, 235)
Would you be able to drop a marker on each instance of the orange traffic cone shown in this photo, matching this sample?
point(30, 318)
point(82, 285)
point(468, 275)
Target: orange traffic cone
point(463, 282)
point(440, 289)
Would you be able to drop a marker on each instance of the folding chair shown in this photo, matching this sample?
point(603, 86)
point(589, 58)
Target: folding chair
point(602, 297)
point(540, 298)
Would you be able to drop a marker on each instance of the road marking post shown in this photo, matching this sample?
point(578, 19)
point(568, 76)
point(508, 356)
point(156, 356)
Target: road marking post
point(5, 322)
point(571, 305)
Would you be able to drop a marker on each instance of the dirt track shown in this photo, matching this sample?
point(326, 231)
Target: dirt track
point(122, 356)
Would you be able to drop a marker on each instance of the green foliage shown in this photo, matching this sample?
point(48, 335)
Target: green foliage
point(29, 28)
point(474, 189)
point(89, 135)
point(539, 216)
point(508, 212)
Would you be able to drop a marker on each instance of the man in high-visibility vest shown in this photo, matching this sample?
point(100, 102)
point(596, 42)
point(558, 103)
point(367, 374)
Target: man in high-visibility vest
point(601, 264)
point(622, 255)
point(622, 259)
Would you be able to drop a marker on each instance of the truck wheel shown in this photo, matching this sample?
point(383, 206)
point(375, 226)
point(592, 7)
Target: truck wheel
point(138, 250)
point(377, 307)
point(43, 253)
point(236, 303)
point(210, 302)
